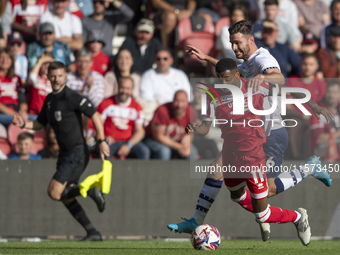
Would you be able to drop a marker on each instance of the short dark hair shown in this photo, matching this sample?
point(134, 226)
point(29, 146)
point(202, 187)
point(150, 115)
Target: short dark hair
point(309, 55)
point(56, 65)
point(271, 2)
point(244, 27)
point(164, 49)
point(225, 64)
point(25, 135)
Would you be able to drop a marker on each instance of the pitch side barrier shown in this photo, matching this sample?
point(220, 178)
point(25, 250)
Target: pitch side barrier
point(146, 196)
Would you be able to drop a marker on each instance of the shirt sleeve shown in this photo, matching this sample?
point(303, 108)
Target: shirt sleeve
point(146, 86)
point(82, 104)
point(161, 116)
point(76, 25)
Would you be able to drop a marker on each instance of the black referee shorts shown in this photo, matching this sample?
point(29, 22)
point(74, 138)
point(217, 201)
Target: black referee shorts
point(71, 164)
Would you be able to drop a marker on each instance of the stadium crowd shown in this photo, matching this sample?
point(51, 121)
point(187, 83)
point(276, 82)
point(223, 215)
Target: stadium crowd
point(127, 58)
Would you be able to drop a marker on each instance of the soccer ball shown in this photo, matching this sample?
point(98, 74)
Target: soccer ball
point(205, 237)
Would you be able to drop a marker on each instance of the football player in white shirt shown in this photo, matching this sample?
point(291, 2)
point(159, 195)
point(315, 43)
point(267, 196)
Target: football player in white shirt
point(258, 65)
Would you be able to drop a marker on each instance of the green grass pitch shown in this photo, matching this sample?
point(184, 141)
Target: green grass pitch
point(275, 247)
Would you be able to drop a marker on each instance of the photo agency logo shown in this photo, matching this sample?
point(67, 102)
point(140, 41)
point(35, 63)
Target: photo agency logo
point(240, 103)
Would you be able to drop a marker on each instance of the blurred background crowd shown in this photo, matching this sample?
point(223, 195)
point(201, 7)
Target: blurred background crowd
point(128, 58)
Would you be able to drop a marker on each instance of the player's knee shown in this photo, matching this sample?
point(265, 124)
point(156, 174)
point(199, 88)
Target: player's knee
point(263, 216)
point(236, 196)
point(53, 194)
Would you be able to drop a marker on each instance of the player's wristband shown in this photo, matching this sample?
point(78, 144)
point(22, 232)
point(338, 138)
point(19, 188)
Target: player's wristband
point(129, 144)
point(99, 141)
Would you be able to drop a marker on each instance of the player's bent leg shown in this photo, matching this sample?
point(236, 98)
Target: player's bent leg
point(210, 190)
point(272, 214)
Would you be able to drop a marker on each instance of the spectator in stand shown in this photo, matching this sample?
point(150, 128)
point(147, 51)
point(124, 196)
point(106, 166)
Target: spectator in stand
point(317, 87)
point(160, 84)
point(320, 130)
point(287, 33)
point(329, 58)
point(284, 55)
point(310, 44)
point(26, 14)
point(5, 21)
point(166, 137)
point(143, 46)
point(169, 13)
point(12, 95)
point(211, 10)
point(123, 68)
point(335, 22)
point(95, 43)
point(105, 21)
point(288, 14)
point(25, 146)
point(313, 15)
point(67, 27)
point(47, 44)
point(15, 41)
point(39, 85)
point(123, 123)
point(51, 149)
point(238, 12)
point(89, 84)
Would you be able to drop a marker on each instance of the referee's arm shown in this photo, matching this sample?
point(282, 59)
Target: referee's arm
point(20, 122)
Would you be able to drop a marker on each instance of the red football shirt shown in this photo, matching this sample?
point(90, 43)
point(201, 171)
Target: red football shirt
point(101, 63)
point(238, 132)
point(120, 118)
point(39, 88)
point(31, 15)
point(175, 128)
point(9, 90)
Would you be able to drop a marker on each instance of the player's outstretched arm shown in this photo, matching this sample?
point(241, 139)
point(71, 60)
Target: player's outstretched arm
point(98, 125)
point(201, 55)
point(194, 128)
point(20, 122)
point(317, 110)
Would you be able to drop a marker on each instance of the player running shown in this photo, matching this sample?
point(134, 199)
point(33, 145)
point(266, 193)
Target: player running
point(243, 147)
point(259, 65)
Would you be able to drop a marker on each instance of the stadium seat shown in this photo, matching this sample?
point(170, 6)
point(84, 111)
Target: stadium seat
point(14, 131)
point(5, 147)
point(222, 22)
point(202, 37)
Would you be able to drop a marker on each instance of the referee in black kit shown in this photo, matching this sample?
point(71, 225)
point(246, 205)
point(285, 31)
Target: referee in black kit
point(63, 110)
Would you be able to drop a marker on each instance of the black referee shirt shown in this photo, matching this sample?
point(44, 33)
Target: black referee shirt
point(62, 111)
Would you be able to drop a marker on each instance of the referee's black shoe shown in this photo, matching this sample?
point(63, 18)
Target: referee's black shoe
point(93, 237)
point(98, 198)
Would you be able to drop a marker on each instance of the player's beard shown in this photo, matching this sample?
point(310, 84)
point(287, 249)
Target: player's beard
point(245, 51)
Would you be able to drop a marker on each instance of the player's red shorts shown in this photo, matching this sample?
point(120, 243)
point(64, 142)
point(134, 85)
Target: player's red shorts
point(248, 167)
